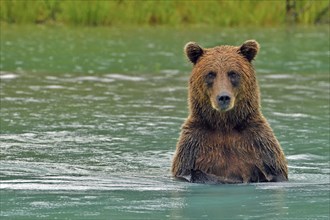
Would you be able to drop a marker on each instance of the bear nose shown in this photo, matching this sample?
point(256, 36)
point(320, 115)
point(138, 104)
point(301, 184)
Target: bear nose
point(224, 100)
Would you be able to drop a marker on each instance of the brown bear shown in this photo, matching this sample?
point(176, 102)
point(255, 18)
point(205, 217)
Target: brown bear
point(225, 138)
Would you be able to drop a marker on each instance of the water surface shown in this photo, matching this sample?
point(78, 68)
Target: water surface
point(90, 118)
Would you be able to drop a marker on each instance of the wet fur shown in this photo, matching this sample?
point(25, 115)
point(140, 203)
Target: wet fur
point(234, 146)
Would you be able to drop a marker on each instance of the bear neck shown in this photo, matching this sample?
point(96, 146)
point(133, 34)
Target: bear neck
point(202, 114)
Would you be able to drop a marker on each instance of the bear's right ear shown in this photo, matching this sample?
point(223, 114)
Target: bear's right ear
point(193, 51)
point(249, 49)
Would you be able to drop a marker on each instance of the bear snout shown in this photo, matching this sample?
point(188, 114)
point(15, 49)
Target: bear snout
point(224, 101)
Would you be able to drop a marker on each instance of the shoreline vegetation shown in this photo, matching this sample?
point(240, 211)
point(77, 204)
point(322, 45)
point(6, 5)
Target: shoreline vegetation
point(225, 13)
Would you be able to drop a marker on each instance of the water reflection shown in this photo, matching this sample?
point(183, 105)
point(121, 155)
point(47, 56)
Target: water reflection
point(101, 140)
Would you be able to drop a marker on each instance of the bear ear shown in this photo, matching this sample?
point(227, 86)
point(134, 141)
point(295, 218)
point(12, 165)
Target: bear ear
point(249, 49)
point(193, 51)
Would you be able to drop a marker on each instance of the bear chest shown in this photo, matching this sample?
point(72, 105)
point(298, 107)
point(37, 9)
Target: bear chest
point(231, 156)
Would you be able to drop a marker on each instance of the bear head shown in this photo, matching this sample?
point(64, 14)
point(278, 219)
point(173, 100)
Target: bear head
point(223, 78)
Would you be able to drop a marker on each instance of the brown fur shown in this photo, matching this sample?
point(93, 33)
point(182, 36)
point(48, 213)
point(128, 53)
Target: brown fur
point(226, 143)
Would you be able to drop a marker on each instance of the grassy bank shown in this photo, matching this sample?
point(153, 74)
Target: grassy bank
point(170, 12)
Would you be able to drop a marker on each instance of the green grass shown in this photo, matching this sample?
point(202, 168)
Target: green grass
point(160, 12)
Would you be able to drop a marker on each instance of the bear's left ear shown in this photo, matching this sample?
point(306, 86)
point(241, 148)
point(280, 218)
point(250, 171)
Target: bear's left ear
point(249, 49)
point(193, 51)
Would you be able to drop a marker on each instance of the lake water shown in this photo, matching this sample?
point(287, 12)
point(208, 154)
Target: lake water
point(90, 118)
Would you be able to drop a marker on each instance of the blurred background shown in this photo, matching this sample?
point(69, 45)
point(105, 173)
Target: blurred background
point(94, 92)
point(225, 13)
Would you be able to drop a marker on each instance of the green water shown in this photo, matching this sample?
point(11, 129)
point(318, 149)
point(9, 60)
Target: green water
point(90, 118)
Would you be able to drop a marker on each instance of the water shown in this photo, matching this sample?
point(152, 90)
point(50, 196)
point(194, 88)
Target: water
point(90, 118)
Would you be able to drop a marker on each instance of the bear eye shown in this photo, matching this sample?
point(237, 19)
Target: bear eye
point(209, 78)
point(234, 78)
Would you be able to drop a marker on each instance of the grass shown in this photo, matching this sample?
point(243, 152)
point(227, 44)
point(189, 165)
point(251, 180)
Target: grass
point(160, 12)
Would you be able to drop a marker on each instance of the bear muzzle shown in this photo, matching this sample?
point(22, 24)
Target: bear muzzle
point(224, 101)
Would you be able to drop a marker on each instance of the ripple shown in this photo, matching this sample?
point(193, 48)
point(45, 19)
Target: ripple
point(23, 100)
point(279, 76)
point(54, 87)
point(90, 183)
point(62, 176)
point(7, 76)
point(293, 115)
point(305, 157)
point(299, 184)
point(170, 71)
point(92, 79)
point(125, 77)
